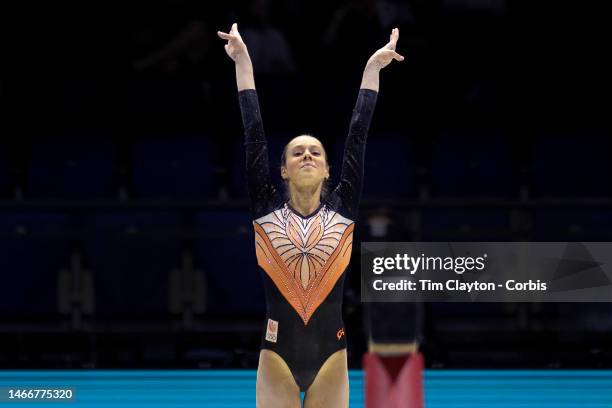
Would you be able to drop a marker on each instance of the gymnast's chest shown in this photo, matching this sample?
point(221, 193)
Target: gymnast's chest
point(303, 245)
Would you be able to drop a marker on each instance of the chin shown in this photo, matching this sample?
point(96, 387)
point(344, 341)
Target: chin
point(307, 181)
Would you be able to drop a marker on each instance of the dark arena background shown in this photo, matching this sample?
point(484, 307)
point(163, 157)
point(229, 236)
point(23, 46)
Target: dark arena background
point(125, 235)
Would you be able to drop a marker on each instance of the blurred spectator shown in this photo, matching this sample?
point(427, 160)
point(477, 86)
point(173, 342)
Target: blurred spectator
point(378, 222)
point(392, 13)
point(186, 50)
point(174, 66)
point(353, 33)
point(268, 46)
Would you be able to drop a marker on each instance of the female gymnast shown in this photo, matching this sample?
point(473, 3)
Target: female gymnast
point(303, 243)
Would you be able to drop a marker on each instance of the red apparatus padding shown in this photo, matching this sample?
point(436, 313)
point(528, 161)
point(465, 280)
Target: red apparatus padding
point(393, 382)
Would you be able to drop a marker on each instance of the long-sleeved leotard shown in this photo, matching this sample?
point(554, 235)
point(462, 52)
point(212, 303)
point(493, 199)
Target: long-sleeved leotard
point(304, 257)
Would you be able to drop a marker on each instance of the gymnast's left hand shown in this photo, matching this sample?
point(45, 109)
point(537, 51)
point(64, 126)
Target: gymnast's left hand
point(383, 57)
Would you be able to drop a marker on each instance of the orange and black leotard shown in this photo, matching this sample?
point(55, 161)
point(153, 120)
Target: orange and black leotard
point(304, 257)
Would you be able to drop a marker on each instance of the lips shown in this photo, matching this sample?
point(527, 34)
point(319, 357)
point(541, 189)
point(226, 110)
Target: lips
point(308, 165)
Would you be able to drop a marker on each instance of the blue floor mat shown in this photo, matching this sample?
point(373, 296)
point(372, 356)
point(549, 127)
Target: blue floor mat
point(236, 388)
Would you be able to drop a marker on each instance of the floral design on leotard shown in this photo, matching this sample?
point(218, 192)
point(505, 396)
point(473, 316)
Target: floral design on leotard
point(304, 256)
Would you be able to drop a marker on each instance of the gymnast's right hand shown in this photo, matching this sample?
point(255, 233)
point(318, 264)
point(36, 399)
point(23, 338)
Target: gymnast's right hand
point(235, 47)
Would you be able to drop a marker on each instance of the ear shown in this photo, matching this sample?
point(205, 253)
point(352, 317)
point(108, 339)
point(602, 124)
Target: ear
point(284, 172)
point(327, 172)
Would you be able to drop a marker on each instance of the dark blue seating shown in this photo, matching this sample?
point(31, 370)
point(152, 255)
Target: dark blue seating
point(474, 167)
point(571, 166)
point(73, 169)
point(34, 248)
point(131, 255)
point(465, 225)
point(571, 224)
point(225, 249)
point(390, 167)
point(470, 166)
point(174, 168)
point(456, 225)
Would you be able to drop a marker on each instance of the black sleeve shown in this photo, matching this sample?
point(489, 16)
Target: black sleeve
point(261, 190)
point(350, 185)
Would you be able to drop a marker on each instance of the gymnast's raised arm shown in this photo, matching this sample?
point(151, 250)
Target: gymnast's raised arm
point(261, 190)
point(351, 179)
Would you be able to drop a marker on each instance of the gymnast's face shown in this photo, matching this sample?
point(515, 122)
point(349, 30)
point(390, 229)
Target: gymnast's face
point(305, 162)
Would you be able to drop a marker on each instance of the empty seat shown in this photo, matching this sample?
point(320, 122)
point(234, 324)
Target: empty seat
point(174, 168)
point(131, 255)
point(225, 250)
point(34, 247)
point(469, 166)
point(572, 224)
point(389, 167)
point(466, 225)
point(571, 166)
point(74, 169)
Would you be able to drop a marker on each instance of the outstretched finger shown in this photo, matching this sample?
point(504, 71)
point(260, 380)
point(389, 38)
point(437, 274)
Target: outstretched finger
point(234, 29)
point(393, 39)
point(394, 35)
point(226, 36)
point(397, 56)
